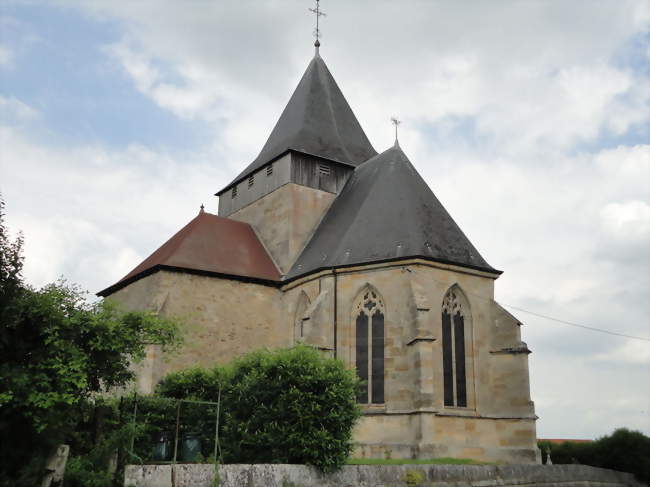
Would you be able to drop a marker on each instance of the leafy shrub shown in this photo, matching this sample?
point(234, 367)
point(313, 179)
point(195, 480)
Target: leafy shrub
point(194, 383)
point(623, 450)
point(283, 406)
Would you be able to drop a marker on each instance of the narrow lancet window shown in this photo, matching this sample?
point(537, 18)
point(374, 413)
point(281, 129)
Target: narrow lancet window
point(453, 350)
point(369, 323)
point(300, 331)
point(362, 356)
point(447, 359)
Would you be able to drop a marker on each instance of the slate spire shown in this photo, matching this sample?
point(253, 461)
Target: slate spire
point(317, 121)
point(386, 211)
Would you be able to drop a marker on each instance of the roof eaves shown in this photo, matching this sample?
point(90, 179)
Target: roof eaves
point(162, 267)
point(391, 259)
point(272, 160)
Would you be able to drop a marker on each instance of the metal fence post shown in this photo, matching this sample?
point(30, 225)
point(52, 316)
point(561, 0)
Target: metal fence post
point(216, 428)
point(178, 417)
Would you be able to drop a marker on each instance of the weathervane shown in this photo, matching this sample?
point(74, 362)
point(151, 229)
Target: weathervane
point(318, 13)
point(396, 122)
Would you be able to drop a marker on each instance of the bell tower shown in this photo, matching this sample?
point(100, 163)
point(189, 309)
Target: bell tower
point(312, 150)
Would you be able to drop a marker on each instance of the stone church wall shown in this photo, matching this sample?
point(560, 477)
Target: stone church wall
point(223, 319)
point(226, 318)
point(498, 423)
point(285, 218)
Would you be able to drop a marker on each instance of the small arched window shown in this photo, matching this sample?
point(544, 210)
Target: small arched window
point(299, 331)
point(454, 314)
point(368, 318)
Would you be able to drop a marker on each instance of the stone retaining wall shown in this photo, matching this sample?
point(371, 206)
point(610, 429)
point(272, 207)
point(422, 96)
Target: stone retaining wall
point(201, 475)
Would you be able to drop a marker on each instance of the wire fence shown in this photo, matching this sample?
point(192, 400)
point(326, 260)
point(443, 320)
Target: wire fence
point(166, 430)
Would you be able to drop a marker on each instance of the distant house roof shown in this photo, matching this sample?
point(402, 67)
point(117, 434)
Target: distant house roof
point(386, 212)
point(317, 121)
point(560, 440)
point(211, 245)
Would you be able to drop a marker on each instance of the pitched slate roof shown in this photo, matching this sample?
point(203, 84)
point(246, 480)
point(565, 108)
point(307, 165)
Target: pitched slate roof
point(317, 121)
point(211, 245)
point(386, 211)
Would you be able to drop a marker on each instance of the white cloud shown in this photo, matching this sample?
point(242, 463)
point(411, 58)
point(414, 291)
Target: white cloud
point(13, 110)
point(194, 99)
point(540, 81)
point(586, 399)
point(629, 220)
point(631, 352)
point(92, 213)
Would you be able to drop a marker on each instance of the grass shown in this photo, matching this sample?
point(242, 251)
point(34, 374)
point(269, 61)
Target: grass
point(406, 461)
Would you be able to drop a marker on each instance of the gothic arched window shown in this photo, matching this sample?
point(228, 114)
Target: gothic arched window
point(368, 317)
point(454, 314)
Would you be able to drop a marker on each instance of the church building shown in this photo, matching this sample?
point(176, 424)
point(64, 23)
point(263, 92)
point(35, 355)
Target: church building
point(324, 241)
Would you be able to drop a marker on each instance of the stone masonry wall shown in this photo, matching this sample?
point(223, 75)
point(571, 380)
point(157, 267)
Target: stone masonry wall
point(226, 318)
point(285, 218)
point(198, 475)
point(498, 424)
point(222, 320)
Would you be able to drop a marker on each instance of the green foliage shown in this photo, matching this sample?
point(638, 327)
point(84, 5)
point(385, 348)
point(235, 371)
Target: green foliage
point(92, 468)
point(284, 406)
point(11, 266)
point(157, 414)
point(623, 450)
point(413, 478)
point(628, 451)
point(56, 351)
point(82, 472)
point(194, 383)
point(290, 406)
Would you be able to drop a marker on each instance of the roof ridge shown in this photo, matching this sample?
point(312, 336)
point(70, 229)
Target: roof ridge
point(318, 120)
point(387, 198)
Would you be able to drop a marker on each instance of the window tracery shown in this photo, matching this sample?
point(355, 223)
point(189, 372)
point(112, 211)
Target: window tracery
point(368, 315)
point(454, 314)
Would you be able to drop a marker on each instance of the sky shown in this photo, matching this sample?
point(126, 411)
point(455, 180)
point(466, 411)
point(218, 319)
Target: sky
point(530, 120)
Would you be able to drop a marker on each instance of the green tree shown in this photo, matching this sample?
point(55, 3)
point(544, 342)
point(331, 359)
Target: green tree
point(623, 450)
point(289, 405)
point(56, 351)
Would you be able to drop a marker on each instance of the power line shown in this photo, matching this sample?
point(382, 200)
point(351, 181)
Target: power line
point(570, 323)
point(564, 322)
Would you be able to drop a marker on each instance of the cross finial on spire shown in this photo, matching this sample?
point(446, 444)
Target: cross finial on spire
point(318, 13)
point(202, 208)
point(395, 121)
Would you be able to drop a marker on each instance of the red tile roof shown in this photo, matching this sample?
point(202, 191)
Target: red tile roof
point(561, 440)
point(211, 245)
